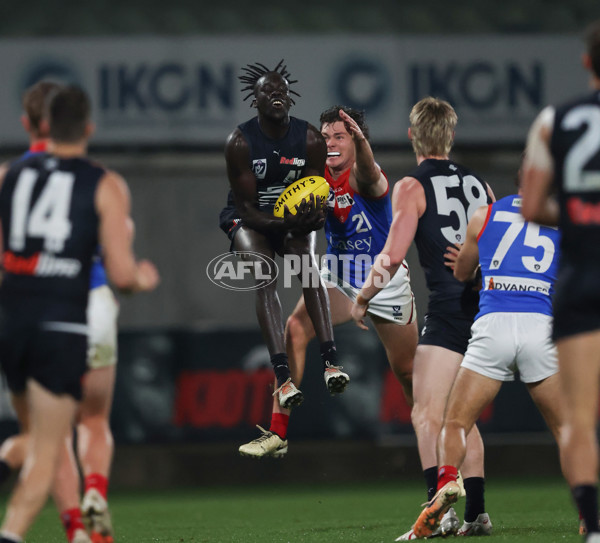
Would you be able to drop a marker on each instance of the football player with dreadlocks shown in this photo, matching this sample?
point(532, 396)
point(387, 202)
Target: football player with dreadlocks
point(264, 155)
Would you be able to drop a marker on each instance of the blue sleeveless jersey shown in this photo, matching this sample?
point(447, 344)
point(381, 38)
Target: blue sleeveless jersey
point(98, 275)
point(356, 228)
point(518, 260)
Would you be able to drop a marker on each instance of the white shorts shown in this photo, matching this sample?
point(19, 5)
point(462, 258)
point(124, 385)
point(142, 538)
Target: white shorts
point(102, 313)
point(503, 343)
point(395, 302)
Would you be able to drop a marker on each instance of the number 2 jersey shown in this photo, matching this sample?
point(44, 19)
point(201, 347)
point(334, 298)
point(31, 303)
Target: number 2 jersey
point(50, 234)
point(452, 193)
point(356, 229)
point(519, 261)
point(575, 147)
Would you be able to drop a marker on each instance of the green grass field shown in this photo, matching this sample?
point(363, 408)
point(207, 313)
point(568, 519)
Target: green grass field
point(521, 510)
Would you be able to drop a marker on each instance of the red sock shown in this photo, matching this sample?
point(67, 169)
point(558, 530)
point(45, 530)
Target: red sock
point(446, 474)
point(279, 424)
point(97, 481)
point(71, 519)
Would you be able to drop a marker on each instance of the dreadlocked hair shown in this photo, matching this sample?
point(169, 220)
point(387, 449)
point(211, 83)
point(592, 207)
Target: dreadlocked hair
point(255, 71)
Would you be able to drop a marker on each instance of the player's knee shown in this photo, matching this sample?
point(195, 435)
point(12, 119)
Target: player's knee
point(403, 375)
point(97, 423)
point(296, 331)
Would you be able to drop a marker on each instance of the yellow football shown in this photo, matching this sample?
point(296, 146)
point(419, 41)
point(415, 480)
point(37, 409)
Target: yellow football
point(300, 190)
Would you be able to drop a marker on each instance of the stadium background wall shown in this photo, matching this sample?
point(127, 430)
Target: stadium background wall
point(193, 376)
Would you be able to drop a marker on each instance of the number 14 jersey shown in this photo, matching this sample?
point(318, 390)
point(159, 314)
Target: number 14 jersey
point(452, 194)
point(50, 234)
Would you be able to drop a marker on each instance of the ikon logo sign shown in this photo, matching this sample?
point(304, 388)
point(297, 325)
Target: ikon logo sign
point(242, 270)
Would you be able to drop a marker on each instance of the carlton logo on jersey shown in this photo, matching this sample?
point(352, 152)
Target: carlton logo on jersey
point(259, 168)
point(41, 265)
point(517, 284)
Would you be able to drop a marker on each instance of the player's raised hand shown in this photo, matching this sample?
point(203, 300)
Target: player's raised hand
point(352, 126)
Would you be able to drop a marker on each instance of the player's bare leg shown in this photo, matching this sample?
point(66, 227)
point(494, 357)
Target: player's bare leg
point(469, 396)
point(95, 449)
point(51, 419)
point(12, 452)
point(316, 301)
point(299, 331)
point(400, 343)
point(268, 311)
point(548, 397)
point(65, 492)
point(434, 371)
point(579, 363)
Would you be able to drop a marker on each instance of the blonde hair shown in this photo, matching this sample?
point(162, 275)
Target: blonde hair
point(432, 124)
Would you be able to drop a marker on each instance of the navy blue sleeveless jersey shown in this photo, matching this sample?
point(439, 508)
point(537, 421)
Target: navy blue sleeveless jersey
point(519, 261)
point(98, 275)
point(275, 163)
point(575, 146)
point(50, 234)
point(452, 193)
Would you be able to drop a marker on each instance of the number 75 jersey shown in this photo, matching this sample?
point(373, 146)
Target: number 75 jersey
point(452, 194)
point(49, 234)
point(519, 261)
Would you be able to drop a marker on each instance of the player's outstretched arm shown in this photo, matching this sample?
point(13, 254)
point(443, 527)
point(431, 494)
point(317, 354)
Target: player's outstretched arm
point(366, 176)
point(409, 204)
point(116, 236)
point(467, 258)
point(538, 173)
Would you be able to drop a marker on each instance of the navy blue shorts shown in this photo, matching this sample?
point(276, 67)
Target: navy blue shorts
point(576, 301)
point(452, 332)
point(52, 354)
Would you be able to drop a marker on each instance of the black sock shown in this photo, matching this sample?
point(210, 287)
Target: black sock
point(5, 539)
point(586, 498)
point(5, 471)
point(280, 367)
point(431, 481)
point(328, 353)
point(474, 487)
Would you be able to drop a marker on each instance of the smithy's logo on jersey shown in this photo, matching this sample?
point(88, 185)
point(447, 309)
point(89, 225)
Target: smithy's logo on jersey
point(259, 168)
point(242, 270)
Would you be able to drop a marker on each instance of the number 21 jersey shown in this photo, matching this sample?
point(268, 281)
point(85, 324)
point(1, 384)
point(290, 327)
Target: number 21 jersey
point(452, 194)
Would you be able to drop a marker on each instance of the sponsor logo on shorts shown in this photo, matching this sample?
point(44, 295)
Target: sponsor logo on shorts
point(397, 311)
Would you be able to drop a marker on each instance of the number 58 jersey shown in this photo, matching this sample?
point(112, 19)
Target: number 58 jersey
point(49, 234)
point(452, 194)
point(519, 261)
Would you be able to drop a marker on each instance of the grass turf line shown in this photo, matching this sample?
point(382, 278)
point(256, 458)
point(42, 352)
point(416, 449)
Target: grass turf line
point(521, 510)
